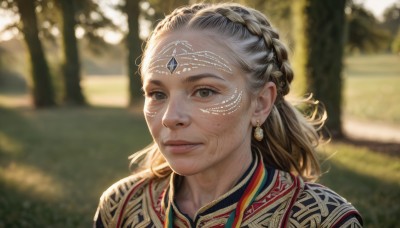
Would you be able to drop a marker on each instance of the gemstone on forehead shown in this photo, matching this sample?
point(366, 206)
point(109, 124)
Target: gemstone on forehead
point(172, 65)
point(189, 59)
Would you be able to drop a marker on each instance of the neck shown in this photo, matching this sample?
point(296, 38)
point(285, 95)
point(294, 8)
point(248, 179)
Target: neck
point(201, 189)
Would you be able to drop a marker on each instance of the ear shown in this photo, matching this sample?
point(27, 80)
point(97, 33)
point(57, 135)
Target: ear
point(265, 100)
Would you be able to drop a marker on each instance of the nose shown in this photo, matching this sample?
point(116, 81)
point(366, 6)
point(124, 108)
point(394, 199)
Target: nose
point(176, 114)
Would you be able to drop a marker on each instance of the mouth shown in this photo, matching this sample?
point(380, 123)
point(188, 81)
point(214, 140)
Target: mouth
point(180, 146)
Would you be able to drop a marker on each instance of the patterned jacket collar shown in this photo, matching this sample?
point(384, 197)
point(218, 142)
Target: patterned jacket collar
point(221, 206)
point(285, 201)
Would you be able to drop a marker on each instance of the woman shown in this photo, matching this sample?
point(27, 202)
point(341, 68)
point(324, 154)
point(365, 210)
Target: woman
point(229, 150)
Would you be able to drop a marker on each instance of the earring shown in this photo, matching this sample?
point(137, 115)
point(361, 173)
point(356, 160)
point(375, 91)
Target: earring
point(258, 132)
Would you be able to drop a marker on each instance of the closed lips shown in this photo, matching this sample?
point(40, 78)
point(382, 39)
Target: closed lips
point(179, 143)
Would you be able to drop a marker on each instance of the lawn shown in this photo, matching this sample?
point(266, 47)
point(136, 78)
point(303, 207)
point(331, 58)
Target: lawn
point(372, 88)
point(54, 163)
point(368, 179)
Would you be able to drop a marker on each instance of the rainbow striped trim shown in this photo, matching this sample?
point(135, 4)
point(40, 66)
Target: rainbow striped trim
point(256, 183)
point(169, 212)
point(235, 218)
point(169, 217)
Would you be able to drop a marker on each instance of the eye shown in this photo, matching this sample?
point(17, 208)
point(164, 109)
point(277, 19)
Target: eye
point(157, 96)
point(204, 92)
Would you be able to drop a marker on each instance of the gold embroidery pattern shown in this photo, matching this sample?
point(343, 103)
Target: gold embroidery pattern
point(318, 205)
point(269, 210)
point(352, 223)
point(128, 201)
point(315, 206)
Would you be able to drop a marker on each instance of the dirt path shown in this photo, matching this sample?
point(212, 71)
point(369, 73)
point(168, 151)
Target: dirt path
point(371, 131)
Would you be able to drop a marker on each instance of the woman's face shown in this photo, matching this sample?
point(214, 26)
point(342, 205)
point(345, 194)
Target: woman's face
point(197, 106)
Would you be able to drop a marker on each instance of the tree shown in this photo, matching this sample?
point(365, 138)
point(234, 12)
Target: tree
point(42, 89)
point(65, 16)
point(391, 19)
point(391, 22)
point(133, 42)
point(73, 13)
point(364, 33)
point(71, 64)
point(320, 40)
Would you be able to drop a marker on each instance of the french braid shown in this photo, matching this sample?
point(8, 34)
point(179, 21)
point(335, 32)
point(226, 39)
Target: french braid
point(290, 137)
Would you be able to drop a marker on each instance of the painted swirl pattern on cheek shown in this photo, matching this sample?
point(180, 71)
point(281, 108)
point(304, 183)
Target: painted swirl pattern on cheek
point(149, 113)
point(178, 57)
point(227, 106)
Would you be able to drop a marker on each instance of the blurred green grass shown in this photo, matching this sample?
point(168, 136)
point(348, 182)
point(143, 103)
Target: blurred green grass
point(106, 90)
point(55, 163)
point(372, 88)
point(370, 180)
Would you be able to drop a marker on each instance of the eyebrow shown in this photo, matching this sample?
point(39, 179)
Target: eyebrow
point(198, 77)
point(190, 79)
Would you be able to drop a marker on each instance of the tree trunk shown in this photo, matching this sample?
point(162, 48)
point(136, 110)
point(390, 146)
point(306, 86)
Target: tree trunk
point(299, 19)
point(324, 29)
point(42, 88)
point(71, 66)
point(134, 51)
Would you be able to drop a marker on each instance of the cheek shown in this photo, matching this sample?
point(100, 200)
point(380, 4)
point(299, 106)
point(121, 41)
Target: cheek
point(233, 110)
point(222, 126)
point(153, 116)
point(226, 107)
point(149, 111)
point(154, 124)
point(228, 127)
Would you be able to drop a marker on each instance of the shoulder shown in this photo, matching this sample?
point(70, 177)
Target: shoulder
point(113, 197)
point(317, 204)
point(131, 185)
point(114, 200)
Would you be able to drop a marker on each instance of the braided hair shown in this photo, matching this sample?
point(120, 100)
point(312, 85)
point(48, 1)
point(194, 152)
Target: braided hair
point(291, 137)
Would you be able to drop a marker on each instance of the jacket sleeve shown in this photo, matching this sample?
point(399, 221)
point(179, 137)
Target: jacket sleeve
point(319, 206)
point(111, 202)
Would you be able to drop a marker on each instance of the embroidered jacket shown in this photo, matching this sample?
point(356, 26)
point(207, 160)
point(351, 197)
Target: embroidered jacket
point(285, 201)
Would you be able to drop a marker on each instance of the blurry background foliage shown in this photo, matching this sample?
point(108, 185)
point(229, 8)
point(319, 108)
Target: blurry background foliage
point(70, 99)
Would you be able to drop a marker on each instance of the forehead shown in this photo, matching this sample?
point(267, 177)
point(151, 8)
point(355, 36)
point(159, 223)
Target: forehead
point(181, 52)
point(199, 40)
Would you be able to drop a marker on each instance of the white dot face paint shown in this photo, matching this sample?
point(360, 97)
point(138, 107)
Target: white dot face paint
point(226, 107)
point(179, 57)
point(150, 114)
point(149, 110)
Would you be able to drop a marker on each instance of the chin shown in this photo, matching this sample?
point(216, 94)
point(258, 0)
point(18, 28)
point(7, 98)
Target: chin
point(184, 168)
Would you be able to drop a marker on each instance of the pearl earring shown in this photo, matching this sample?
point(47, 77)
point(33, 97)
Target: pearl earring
point(258, 132)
